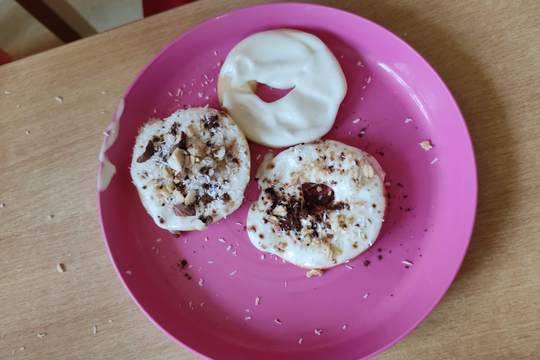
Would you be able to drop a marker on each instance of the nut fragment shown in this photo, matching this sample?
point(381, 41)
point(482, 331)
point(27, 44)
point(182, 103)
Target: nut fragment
point(280, 210)
point(314, 272)
point(367, 170)
point(190, 197)
point(176, 160)
point(178, 196)
point(426, 145)
point(220, 153)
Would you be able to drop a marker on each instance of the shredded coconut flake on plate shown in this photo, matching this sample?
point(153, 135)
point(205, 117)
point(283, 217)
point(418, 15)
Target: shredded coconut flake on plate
point(434, 161)
point(257, 301)
point(232, 273)
point(407, 263)
point(318, 332)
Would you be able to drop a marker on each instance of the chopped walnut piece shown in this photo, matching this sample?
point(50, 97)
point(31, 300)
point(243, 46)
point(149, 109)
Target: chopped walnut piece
point(183, 210)
point(280, 210)
point(176, 160)
point(426, 145)
point(190, 197)
point(314, 272)
point(367, 170)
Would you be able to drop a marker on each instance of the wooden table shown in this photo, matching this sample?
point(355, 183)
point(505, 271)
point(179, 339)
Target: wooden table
point(55, 105)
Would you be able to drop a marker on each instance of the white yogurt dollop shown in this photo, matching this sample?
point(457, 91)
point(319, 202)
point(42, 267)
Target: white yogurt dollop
point(282, 59)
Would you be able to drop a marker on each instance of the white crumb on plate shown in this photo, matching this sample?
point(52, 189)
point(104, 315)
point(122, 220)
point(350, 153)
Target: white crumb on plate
point(94, 330)
point(128, 272)
point(60, 267)
point(41, 335)
point(408, 120)
point(356, 121)
point(349, 267)
point(59, 99)
point(434, 161)
point(317, 332)
point(201, 282)
point(232, 273)
point(366, 295)
point(221, 240)
point(257, 301)
point(359, 64)
point(247, 317)
point(344, 327)
point(277, 321)
point(300, 341)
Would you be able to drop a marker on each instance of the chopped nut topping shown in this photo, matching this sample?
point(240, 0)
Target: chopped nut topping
point(183, 210)
point(367, 170)
point(314, 272)
point(426, 145)
point(190, 197)
point(176, 160)
point(280, 210)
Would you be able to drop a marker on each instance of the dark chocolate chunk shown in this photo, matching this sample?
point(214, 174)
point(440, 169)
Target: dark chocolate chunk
point(148, 152)
point(205, 199)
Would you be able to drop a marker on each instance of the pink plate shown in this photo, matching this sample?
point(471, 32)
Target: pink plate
point(395, 100)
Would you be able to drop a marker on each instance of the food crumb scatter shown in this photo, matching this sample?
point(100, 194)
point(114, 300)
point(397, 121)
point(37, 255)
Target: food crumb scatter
point(356, 121)
point(257, 301)
point(232, 273)
point(2, 205)
point(247, 317)
point(318, 332)
point(94, 330)
point(277, 321)
point(51, 216)
point(300, 341)
point(201, 282)
point(426, 145)
point(128, 272)
point(408, 120)
point(41, 335)
point(366, 295)
point(59, 99)
point(434, 161)
point(344, 327)
point(27, 132)
point(60, 267)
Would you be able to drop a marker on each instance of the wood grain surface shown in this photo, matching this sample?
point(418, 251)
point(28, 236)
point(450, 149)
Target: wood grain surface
point(488, 52)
